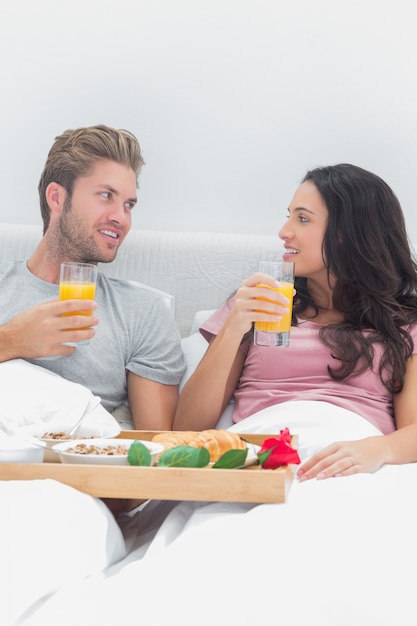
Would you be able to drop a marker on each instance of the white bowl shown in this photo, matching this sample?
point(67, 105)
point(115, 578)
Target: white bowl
point(62, 450)
point(84, 432)
point(18, 450)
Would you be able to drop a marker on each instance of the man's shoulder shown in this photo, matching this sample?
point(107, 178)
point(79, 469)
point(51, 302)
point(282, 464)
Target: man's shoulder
point(10, 265)
point(135, 288)
point(120, 284)
point(131, 289)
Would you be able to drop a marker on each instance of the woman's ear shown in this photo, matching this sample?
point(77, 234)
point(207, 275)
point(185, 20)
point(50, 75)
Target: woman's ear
point(55, 196)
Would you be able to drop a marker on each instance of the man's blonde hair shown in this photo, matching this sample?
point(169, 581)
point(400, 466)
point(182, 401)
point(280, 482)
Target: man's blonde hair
point(75, 152)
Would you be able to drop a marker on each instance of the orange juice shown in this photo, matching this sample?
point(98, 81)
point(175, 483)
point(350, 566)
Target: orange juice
point(77, 291)
point(284, 324)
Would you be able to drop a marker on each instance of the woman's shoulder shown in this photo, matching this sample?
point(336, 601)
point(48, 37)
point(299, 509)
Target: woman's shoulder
point(214, 320)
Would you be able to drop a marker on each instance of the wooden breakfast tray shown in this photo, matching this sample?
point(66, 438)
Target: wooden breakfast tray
point(250, 484)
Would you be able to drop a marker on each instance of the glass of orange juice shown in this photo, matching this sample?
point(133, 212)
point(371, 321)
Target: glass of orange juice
point(277, 333)
point(78, 282)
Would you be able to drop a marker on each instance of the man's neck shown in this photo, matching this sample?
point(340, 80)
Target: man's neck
point(44, 264)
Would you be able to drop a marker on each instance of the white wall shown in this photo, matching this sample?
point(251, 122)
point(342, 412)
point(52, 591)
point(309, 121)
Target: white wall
point(232, 100)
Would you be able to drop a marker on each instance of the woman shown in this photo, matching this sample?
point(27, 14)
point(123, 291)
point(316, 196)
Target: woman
point(354, 328)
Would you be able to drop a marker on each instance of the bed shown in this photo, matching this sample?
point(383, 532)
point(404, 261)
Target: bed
point(336, 552)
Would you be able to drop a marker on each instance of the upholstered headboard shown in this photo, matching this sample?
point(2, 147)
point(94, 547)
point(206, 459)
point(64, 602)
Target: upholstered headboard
point(199, 269)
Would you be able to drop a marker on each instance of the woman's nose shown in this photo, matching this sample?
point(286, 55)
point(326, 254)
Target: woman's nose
point(285, 232)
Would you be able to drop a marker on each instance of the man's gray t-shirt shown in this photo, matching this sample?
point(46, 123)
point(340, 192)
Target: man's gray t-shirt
point(136, 332)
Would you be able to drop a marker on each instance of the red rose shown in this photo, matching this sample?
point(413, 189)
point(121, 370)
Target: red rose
point(277, 451)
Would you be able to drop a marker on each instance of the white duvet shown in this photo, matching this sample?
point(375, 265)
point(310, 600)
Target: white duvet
point(338, 552)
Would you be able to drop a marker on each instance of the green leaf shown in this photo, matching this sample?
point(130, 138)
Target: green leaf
point(185, 456)
point(264, 455)
point(138, 454)
point(231, 459)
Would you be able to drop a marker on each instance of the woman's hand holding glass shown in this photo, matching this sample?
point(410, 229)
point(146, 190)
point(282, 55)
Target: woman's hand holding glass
point(254, 302)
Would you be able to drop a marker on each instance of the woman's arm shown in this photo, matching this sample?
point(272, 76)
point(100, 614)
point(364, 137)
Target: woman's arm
point(403, 442)
point(210, 388)
point(368, 455)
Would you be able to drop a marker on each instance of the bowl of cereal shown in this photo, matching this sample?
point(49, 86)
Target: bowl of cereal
point(14, 449)
point(102, 451)
point(54, 436)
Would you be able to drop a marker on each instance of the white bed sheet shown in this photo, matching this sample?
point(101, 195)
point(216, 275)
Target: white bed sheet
point(50, 536)
point(339, 552)
point(35, 400)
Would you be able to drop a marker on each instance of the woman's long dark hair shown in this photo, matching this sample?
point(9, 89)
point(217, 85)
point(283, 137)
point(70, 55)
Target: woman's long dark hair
point(366, 249)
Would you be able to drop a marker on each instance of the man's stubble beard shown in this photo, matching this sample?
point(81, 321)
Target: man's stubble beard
point(72, 243)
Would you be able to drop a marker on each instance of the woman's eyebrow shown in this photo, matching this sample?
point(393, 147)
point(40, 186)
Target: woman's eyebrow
point(302, 208)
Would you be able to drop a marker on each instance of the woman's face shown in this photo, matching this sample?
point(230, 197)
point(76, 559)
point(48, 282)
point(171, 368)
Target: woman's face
point(304, 230)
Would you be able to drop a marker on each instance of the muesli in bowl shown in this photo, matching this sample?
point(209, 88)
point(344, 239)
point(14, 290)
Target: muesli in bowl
point(52, 437)
point(102, 451)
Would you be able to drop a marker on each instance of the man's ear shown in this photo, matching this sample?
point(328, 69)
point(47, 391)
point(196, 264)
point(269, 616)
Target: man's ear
point(55, 196)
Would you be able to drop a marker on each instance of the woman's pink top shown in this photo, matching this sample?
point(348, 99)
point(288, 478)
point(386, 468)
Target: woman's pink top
point(299, 372)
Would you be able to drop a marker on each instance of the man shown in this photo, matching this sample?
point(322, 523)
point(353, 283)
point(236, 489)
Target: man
point(87, 193)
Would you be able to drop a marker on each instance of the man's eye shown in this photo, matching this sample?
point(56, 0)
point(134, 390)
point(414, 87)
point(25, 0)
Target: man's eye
point(129, 205)
point(106, 194)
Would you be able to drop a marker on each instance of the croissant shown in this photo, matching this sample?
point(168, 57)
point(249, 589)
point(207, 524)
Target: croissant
point(217, 442)
point(172, 439)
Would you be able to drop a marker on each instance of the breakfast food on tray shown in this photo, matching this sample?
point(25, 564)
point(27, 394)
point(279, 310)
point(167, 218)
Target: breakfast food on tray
point(82, 448)
point(62, 435)
point(172, 439)
point(217, 442)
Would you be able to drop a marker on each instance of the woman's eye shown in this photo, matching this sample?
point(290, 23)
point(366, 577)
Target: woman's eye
point(106, 194)
point(303, 218)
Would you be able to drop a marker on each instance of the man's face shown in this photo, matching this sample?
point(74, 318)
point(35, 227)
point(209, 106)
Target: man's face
point(99, 217)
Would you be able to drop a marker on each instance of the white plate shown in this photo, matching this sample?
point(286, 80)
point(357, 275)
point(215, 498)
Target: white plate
point(102, 459)
point(251, 456)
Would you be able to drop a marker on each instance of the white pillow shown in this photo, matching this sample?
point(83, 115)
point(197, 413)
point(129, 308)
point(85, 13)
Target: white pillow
point(51, 535)
point(199, 318)
point(33, 396)
point(193, 347)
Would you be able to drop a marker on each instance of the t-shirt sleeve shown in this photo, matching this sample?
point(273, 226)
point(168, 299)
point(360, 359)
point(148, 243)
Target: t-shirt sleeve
point(157, 354)
point(214, 324)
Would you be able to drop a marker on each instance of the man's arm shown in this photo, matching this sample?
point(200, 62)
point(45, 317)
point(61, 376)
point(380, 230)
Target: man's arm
point(40, 330)
point(152, 404)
